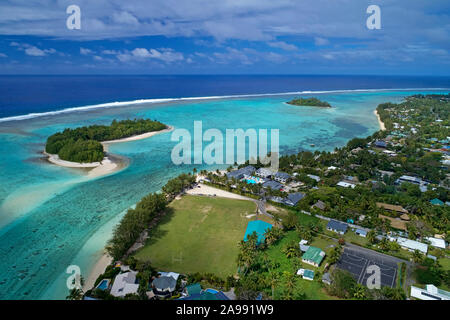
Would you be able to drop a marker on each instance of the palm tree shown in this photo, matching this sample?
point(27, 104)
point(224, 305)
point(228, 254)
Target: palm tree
point(371, 236)
point(75, 294)
point(335, 255)
point(360, 292)
point(273, 278)
point(417, 256)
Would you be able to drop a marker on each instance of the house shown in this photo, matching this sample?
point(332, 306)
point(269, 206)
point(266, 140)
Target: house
point(326, 278)
point(263, 173)
point(274, 185)
point(240, 173)
point(303, 245)
point(409, 179)
point(346, 184)
point(380, 144)
point(361, 233)
point(192, 289)
point(337, 226)
point(293, 198)
point(429, 293)
point(164, 286)
point(281, 177)
point(313, 256)
point(391, 207)
point(435, 242)
point(319, 205)
point(311, 176)
point(306, 274)
point(436, 202)
point(125, 283)
point(412, 245)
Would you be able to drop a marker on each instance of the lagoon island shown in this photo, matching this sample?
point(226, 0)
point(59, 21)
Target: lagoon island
point(86, 147)
point(309, 102)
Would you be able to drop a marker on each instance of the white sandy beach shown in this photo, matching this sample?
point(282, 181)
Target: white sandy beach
point(98, 269)
point(382, 127)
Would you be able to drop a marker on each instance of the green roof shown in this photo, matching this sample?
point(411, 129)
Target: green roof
point(314, 254)
point(437, 201)
point(308, 274)
point(193, 288)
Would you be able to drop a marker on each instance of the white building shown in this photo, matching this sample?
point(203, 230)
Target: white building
point(263, 173)
point(346, 184)
point(124, 284)
point(412, 245)
point(435, 242)
point(429, 293)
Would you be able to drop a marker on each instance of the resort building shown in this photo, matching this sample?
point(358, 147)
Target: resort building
point(313, 256)
point(240, 173)
point(412, 245)
point(337, 226)
point(263, 173)
point(125, 283)
point(293, 198)
point(274, 185)
point(281, 177)
point(429, 293)
point(436, 202)
point(380, 144)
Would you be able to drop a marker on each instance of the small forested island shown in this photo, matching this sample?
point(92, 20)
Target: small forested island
point(310, 102)
point(83, 144)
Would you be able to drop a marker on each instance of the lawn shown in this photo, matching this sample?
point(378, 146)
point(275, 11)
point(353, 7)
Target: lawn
point(199, 234)
point(314, 290)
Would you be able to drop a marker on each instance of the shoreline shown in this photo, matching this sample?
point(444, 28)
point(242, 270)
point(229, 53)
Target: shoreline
point(380, 123)
point(98, 269)
point(110, 164)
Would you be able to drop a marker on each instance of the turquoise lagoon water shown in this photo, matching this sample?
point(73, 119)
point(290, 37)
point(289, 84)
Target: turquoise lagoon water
point(52, 217)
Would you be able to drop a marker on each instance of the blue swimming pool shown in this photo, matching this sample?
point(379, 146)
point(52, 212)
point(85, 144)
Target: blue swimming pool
point(211, 291)
point(103, 285)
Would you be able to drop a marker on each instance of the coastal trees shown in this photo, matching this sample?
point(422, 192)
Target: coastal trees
point(133, 223)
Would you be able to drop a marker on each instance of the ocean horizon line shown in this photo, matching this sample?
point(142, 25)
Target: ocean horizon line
point(165, 100)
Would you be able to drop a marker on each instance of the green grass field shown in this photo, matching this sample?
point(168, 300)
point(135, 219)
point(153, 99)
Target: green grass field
point(199, 234)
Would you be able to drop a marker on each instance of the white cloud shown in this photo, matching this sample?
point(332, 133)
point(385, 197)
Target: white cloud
point(85, 51)
point(321, 41)
point(283, 45)
point(167, 55)
point(2, 55)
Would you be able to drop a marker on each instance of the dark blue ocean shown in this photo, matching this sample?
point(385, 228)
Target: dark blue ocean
point(21, 95)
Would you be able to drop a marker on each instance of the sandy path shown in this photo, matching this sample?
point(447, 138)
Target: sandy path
point(211, 191)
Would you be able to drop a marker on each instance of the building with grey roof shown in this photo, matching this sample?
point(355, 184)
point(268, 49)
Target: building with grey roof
point(337, 226)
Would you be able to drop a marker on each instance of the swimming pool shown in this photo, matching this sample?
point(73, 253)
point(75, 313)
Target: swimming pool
point(253, 180)
point(103, 285)
point(212, 291)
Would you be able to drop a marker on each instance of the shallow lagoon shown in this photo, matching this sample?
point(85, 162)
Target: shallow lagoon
point(52, 217)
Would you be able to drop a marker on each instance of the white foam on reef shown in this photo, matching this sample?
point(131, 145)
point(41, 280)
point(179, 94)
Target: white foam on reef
point(165, 100)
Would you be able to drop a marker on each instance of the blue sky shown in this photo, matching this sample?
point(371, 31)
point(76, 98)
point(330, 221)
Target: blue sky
point(225, 37)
